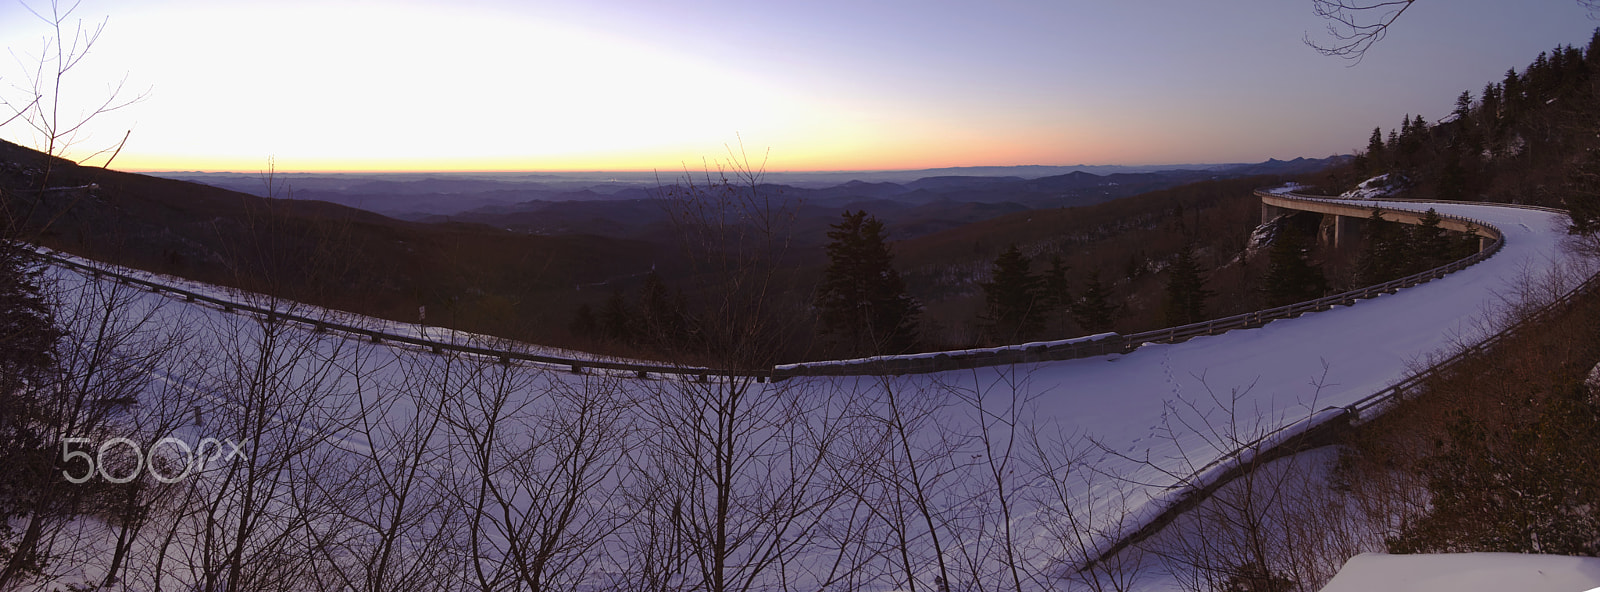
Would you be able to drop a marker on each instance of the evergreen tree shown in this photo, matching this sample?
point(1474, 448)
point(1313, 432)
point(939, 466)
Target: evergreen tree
point(1377, 158)
point(1469, 136)
point(29, 445)
point(1094, 310)
point(1452, 178)
point(1582, 194)
point(1186, 293)
point(1592, 56)
point(1512, 98)
point(862, 299)
point(1290, 275)
point(617, 319)
point(1014, 299)
point(1489, 111)
point(584, 325)
point(1413, 132)
point(1538, 478)
point(1430, 246)
point(661, 316)
point(28, 332)
point(1463, 110)
point(1057, 290)
point(1384, 254)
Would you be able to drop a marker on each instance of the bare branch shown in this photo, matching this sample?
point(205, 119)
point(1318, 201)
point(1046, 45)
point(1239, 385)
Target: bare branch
point(1351, 26)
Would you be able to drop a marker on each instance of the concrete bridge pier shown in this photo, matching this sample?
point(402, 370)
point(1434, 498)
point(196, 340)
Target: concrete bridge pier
point(1269, 211)
point(1340, 231)
point(1346, 230)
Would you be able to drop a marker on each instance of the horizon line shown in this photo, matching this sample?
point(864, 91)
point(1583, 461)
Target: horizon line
point(143, 170)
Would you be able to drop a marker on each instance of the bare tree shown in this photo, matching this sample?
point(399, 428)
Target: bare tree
point(56, 123)
point(735, 233)
point(738, 471)
point(541, 454)
point(394, 523)
point(911, 469)
point(121, 345)
point(1082, 511)
point(57, 126)
point(88, 382)
point(998, 404)
point(1233, 532)
point(280, 393)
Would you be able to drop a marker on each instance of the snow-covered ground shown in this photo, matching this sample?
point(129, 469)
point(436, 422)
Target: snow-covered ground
point(1163, 411)
point(1133, 427)
point(1466, 572)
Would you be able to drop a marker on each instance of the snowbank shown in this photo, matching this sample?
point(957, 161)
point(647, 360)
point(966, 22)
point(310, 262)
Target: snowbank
point(1466, 572)
point(987, 351)
point(1370, 189)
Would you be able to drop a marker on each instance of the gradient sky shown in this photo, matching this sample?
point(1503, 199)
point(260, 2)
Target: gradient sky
point(815, 85)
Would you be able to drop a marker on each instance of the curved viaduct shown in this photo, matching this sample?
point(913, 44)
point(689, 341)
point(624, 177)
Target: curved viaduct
point(1349, 215)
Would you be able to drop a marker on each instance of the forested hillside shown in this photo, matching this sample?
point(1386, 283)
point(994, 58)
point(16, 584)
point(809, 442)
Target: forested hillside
point(1528, 138)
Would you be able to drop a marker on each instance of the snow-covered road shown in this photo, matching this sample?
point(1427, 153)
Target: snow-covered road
point(1148, 418)
point(1167, 409)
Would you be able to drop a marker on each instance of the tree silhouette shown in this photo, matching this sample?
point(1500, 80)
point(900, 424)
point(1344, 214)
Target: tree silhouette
point(28, 422)
point(1290, 275)
point(584, 325)
point(1057, 290)
point(1430, 246)
point(1582, 194)
point(617, 317)
point(1015, 308)
point(1384, 255)
point(1186, 293)
point(1094, 310)
point(862, 300)
point(662, 316)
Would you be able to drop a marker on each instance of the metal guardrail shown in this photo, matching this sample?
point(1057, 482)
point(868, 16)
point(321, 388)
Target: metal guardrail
point(379, 336)
point(884, 365)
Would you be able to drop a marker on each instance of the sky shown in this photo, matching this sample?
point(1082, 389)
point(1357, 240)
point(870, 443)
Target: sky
point(500, 85)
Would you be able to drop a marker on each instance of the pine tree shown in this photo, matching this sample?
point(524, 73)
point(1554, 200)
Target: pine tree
point(1186, 293)
point(1582, 194)
point(1463, 110)
point(1290, 275)
point(1014, 299)
point(28, 421)
point(1536, 477)
point(1452, 178)
point(1512, 98)
point(617, 319)
point(1430, 246)
point(1384, 255)
point(1469, 136)
point(1058, 290)
point(661, 318)
point(1489, 111)
point(584, 325)
point(1094, 311)
point(1377, 158)
point(862, 300)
